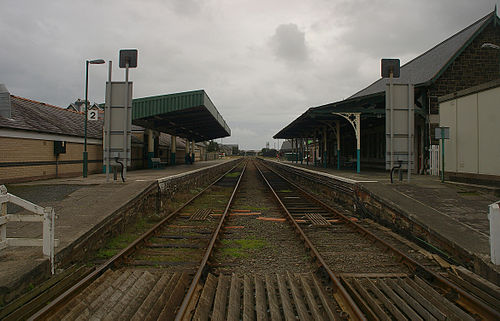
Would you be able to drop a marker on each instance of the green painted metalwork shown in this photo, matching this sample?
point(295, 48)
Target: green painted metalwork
point(188, 114)
point(154, 105)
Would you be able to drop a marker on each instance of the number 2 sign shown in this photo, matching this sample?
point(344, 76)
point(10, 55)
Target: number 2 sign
point(92, 115)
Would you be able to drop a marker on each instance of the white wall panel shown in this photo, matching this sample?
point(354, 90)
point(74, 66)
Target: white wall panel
point(448, 118)
point(489, 131)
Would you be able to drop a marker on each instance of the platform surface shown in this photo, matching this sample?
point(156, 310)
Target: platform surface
point(80, 204)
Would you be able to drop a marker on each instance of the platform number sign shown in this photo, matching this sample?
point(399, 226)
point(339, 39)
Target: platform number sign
point(92, 115)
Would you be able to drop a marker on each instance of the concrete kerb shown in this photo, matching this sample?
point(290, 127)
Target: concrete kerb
point(148, 198)
point(400, 219)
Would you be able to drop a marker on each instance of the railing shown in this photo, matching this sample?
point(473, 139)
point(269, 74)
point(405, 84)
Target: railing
point(41, 214)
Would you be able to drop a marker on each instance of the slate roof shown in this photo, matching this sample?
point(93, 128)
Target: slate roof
point(429, 65)
point(44, 118)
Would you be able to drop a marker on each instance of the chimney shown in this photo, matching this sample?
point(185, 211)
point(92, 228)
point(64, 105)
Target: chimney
point(5, 105)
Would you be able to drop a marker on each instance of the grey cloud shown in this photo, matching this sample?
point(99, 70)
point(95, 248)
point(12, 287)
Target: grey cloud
point(289, 43)
point(186, 7)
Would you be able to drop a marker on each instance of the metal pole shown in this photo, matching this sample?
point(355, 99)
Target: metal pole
point(107, 119)
point(85, 155)
point(125, 124)
point(358, 143)
point(410, 118)
point(391, 108)
point(442, 155)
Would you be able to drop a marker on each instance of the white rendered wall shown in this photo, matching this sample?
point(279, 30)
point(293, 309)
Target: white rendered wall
point(474, 144)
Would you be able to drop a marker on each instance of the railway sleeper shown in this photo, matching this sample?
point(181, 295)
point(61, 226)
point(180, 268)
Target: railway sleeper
point(264, 297)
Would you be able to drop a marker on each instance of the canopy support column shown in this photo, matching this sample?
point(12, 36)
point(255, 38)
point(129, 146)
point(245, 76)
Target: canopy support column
point(192, 151)
point(151, 148)
point(337, 123)
point(173, 149)
point(186, 153)
point(355, 120)
point(324, 147)
point(301, 150)
point(314, 148)
point(307, 151)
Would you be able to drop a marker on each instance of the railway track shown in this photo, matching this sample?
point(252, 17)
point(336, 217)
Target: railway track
point(177, 270)
point(383, 281)
point(149, 278)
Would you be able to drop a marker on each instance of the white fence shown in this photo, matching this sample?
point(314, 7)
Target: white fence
point(41, 214)
point(435, 160)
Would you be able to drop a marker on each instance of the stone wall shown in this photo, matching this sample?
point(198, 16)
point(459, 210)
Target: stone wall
point(474, 66)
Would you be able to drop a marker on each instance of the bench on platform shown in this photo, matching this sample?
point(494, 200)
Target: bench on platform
point(157, 163)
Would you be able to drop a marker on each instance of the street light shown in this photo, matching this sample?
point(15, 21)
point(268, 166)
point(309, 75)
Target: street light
point(85, 154)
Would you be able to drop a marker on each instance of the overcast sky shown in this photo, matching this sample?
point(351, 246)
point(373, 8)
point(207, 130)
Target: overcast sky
point(262, 62)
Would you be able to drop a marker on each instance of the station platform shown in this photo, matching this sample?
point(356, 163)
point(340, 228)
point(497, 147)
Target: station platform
point(80, 204)
point(458, 212)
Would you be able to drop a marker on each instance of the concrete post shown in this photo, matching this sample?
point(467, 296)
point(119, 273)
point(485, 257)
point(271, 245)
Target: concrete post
point(173, 149)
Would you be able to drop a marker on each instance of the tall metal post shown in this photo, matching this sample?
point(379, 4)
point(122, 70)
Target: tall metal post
point(107, 119)
point(358, 142)
point(391, 108)
point(442, 154)
point(410, 118)
point(85, 154)
point(125, 124)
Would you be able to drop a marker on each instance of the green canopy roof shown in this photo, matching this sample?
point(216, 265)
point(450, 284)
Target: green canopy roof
point(189, 114)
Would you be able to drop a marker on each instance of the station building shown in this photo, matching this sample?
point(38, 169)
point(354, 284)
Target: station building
point(41, 141)
point(344, 133)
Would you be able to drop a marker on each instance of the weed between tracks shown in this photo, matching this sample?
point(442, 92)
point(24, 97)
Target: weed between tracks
point(241, 247)
point(233, 174)
point(119, 242)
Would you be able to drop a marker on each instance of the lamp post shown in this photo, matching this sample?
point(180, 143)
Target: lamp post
point(85, 154)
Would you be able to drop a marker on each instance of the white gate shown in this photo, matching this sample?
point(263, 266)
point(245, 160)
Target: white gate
point(41, 214)
point(435, 161)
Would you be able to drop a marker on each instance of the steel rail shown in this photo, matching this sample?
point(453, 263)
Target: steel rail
point(83, 283)
point(464, 299)
point(354, 310)
point(190, 292)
